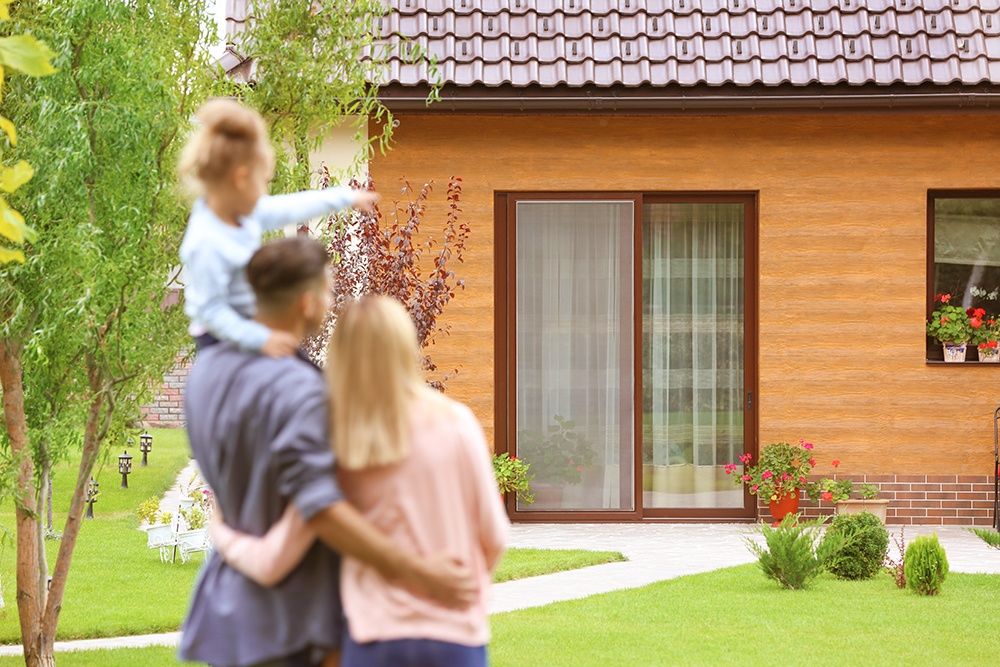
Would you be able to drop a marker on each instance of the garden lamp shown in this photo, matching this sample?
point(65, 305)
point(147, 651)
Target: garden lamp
point(145, 446)
point(125, 467)
point(93, 488)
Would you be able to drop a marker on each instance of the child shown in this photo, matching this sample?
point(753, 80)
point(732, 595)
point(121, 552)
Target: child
point(228, 163)
point(417, 466)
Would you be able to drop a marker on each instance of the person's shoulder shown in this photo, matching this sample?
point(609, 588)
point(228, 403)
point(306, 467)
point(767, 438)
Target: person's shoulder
point(449, 413)
point(295, 374)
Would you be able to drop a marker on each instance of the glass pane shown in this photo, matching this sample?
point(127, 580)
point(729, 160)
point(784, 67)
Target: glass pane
point(967, 251)
point(574, 353)
point(692, 354)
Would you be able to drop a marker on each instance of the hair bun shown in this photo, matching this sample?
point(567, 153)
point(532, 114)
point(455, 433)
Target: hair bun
point(230, 119)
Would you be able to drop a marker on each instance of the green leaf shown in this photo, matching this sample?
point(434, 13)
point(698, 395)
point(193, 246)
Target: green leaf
point(16, 175)
point(26, 54)
point(8, 255)
point(8, 127)
point(12, 226)
point(5, 9)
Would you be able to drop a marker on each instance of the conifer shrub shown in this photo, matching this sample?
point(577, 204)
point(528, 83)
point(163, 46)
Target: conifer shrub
point(865, 544)
point(925, 565)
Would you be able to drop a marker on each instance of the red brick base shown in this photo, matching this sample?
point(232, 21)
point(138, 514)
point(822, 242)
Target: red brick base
point(940, 500)
point(167, 411)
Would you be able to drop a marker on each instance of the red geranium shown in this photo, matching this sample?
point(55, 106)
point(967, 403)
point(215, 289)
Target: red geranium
point(827, 496)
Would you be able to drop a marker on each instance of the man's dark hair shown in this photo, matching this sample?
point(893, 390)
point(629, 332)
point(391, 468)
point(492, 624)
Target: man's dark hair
point(281, 270)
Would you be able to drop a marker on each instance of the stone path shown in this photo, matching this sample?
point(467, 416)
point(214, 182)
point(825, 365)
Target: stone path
point(655, 552)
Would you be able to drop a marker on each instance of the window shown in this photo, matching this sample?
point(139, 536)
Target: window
point(963, 253)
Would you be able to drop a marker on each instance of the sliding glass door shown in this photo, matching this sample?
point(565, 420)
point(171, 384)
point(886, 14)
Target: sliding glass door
point(624, 328)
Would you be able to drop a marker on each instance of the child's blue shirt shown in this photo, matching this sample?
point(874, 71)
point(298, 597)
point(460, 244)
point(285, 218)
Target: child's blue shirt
point(217, 296)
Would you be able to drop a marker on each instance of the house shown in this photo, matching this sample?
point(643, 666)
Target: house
point(700, 226)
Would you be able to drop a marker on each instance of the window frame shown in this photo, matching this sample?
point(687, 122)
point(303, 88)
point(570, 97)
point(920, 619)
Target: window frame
point(933, 354)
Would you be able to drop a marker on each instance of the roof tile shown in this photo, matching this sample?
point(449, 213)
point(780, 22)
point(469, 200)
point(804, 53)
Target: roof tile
point(690, 42)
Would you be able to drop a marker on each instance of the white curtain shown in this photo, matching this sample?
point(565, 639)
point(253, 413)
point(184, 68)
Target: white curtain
point(574, 352)
point(693, 264)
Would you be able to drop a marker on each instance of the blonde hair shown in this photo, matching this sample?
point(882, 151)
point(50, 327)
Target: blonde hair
point(373, 369)
point(229, 135)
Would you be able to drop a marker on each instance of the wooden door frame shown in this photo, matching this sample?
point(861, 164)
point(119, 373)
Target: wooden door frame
point(504, 208)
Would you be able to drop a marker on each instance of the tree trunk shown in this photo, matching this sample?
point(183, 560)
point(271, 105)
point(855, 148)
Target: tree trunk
point(93, 433)
point(37, 651)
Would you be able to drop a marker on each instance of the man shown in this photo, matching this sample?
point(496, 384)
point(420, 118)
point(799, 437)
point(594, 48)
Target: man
point(258, 427)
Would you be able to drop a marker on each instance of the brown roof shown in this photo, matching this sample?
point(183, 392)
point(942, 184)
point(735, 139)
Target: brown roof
point(696, 45)
point(699, 42)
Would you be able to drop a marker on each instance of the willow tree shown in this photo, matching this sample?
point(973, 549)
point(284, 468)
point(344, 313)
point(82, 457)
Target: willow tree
point(311, 67)
point(83, 328)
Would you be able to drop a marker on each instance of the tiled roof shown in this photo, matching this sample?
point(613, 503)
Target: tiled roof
point(699, 42)
point(691, 43)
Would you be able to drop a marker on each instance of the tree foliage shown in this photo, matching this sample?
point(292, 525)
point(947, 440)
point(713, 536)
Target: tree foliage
point(84, 331)
point(24, 54)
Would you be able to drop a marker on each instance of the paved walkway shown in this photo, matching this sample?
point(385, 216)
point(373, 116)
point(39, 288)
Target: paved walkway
point(655, 552)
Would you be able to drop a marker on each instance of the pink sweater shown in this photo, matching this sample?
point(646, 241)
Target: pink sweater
point(441, 499)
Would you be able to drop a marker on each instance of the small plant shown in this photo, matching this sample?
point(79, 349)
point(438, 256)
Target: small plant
point(894, 567)
point(864, 543)
point(949, 323)
point(869, 491)
point(165, 518)
point(794, 555)
point(780, 472)
point(925, 565)
point(148, 510)
point(560, 455)
point(512, 477)
point(830, 490)
point(991, 537)
point(195, 517)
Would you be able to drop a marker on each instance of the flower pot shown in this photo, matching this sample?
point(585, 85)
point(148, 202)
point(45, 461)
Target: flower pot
point(782, 507)
point(954, 353)
point(874, 506)
point(989, 356)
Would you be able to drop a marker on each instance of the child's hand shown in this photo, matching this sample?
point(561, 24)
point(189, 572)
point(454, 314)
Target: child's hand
point(280, 344)
point(365, 201)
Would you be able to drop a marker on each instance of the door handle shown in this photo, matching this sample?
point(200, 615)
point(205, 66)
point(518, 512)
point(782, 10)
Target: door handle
point(749, 400)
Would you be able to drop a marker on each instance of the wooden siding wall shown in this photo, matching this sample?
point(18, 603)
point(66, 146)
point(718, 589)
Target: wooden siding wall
point(842, 256)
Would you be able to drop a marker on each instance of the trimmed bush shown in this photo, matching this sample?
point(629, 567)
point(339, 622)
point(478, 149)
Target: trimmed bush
point(925, 565)
point(792, 557)
point(864, 543)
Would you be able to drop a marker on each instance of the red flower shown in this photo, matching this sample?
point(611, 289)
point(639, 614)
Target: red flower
point(754, 488)
point(745, 458)
point(746, 478)
point(802, 479)
point(945, 298)
point(979, 312)
point(730, 468)
point(513, 458)
point(807, 445)
point(767, 474)
point(812, 462)
point(827, 496)
point(945, 320)
point(835, 462)
point(975, 322)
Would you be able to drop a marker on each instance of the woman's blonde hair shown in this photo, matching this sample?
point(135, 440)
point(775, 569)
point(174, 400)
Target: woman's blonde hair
point(373, 369)
point(229, 135)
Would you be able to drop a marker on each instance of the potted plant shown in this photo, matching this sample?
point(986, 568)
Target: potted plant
point(558, 458)
point(868, 502)
point(512, 477)
point(155, 523)
point(778, 476)
point(950, 326)
point(986, 337)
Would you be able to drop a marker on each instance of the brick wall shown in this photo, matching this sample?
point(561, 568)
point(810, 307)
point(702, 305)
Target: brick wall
point(167, 410)
point(939, 500)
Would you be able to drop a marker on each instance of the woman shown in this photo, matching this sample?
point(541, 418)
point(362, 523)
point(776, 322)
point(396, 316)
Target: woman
point(417, 465)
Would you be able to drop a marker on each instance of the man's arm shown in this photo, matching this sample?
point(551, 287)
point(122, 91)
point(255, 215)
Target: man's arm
point(343, 529)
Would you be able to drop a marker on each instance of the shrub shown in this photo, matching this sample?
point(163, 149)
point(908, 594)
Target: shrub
point(792, 557)
point(991, 537)
point(925, 565)
point(865, 544)
point(512, 477)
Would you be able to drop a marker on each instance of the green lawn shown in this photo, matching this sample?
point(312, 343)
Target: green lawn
point(521, 563)
point(116, 585)
point(119, 587)
point(737, 617)
point(146, 657)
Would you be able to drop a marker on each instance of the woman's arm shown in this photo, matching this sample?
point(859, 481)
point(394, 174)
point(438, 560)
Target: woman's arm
point(269, 559)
